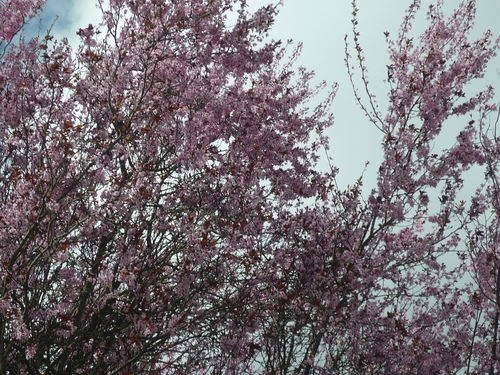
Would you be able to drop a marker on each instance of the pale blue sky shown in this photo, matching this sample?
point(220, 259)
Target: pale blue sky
point(321, 26)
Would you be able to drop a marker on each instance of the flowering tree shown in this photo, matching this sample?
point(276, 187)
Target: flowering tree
point(161, 212)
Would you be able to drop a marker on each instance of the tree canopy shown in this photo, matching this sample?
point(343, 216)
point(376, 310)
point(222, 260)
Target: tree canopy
point(161, 209)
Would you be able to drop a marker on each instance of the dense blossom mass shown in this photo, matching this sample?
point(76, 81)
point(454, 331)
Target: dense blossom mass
point(161, 211)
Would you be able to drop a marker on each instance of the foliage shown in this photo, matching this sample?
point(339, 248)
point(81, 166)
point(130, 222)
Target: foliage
point(161, 210)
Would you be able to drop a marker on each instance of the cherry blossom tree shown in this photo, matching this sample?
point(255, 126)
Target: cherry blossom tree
point(162, 211)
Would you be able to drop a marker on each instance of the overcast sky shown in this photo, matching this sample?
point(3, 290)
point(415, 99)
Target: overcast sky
point(321, 25)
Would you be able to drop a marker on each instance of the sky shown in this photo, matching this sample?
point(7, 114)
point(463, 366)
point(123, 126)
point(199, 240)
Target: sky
point(321, 26)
